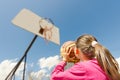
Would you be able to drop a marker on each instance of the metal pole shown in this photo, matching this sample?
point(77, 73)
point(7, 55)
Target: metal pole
point(26, 54)
point(10, 75)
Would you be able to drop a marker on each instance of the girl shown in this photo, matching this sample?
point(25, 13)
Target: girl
point(96, 62)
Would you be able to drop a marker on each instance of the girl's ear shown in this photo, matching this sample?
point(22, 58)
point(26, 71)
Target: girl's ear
point(77, 51)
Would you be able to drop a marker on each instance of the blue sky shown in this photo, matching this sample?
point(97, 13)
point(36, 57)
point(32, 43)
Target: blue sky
point(100, 18)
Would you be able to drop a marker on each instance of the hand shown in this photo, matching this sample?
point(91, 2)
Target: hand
point(68, 53)
point(71, 60)
point(64, 56)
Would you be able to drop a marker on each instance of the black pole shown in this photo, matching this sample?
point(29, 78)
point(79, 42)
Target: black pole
point(24, 66)
point(26, 55)
point(10, 75)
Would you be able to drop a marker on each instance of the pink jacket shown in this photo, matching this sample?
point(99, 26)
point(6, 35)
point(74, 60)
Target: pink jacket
point(89, 70)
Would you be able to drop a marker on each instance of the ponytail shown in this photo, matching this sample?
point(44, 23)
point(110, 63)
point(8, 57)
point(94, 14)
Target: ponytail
point(107, 62)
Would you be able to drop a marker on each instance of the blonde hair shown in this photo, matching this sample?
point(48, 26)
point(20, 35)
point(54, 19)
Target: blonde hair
point(106, 61)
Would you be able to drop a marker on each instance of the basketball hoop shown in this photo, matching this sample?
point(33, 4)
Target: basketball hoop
point(46, 30)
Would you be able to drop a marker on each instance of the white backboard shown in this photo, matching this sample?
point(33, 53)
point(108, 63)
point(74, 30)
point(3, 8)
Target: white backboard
point(31, 22)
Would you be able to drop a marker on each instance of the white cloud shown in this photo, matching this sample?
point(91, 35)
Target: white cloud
point(45, 64)
point(39, 75)
point(48, 62)
point(6, 66)
point(118, 60)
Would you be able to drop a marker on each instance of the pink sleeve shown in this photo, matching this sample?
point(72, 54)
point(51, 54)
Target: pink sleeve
point(73, 73)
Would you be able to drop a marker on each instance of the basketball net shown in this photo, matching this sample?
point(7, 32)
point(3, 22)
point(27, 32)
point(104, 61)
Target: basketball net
point(46, 30)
